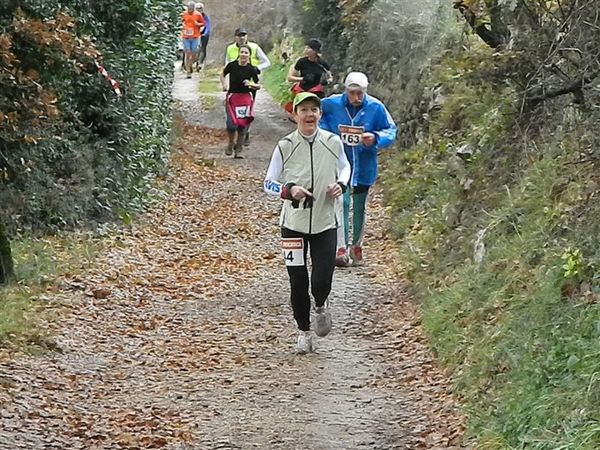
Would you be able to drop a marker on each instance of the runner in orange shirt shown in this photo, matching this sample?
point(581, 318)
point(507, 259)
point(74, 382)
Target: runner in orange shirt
point(193, 24)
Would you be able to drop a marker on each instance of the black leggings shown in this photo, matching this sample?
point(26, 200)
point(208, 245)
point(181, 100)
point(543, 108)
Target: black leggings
point(202, 51)
point(322, 255)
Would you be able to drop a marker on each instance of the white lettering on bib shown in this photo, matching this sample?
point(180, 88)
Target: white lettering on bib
point(351, 135)
point(293, 251)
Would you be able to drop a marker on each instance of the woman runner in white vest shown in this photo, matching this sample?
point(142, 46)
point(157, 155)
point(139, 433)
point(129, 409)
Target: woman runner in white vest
point(309, 171)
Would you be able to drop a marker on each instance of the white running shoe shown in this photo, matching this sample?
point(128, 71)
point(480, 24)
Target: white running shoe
point(322, 322)
point(356, 255)
point(304, 344)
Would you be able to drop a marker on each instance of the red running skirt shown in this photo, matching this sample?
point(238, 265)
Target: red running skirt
point(240, 107)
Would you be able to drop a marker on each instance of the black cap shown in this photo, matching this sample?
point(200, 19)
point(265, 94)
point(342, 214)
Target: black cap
point(240, 31)
point(315, 44)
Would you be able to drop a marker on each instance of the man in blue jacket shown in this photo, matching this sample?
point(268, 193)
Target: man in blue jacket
point(365, 126)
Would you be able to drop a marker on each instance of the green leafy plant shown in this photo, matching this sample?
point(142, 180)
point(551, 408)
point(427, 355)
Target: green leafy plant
point(573, 265)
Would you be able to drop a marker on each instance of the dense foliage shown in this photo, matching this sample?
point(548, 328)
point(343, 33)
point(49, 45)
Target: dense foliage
point(6, 263)
point(493, 198)
point(71, 150)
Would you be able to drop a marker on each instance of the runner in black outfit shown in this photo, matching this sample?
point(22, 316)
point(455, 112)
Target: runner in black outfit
point(311, 70)
point(310, 73)
point(243, 79)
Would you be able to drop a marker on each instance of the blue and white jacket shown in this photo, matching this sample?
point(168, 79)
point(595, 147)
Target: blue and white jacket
point(374, 117)
point(207, 25)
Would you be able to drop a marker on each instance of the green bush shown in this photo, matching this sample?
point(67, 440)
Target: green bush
point(275, 77)
point(506, 268)
point(87, 154)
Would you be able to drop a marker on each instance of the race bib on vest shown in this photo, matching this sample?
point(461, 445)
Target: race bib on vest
point(189, 31)
point(351, 135)
point(241, 112)
point(293, 251)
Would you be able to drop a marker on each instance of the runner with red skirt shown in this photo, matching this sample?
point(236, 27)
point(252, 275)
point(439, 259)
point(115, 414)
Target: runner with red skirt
point(239, 101)
point(310, 74)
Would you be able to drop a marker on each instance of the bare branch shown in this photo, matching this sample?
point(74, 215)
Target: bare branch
point(593, 25)
point(575, 87)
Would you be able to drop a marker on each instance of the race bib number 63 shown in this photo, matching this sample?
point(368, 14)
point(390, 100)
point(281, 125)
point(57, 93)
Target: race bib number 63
point(293, 251)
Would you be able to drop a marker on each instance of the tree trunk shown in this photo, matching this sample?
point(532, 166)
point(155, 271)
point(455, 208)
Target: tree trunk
point(498, 26)
point(7, 272)
point(496, 33)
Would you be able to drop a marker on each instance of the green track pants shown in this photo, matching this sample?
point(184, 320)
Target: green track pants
point(357, 201)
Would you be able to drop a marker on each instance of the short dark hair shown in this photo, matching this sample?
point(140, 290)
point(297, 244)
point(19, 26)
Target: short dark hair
point(315, 44)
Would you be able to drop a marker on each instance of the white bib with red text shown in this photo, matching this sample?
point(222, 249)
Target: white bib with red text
point(351, 135)
point(293, 251)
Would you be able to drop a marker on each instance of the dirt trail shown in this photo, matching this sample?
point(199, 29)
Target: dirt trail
point(193, 345)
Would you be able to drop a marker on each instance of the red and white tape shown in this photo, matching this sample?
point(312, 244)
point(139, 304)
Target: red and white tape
point(114, 83)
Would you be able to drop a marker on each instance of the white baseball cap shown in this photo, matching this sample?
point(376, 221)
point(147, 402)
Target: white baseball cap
point(356, 80)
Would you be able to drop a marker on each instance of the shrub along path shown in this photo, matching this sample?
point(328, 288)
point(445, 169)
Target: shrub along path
point(181, 337)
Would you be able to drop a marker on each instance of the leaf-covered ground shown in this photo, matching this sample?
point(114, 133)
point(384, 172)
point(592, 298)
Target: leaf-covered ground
point(181, 336)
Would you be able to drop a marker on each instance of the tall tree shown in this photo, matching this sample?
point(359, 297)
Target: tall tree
point(492, 30)
point(7, 272)
point(558, 41)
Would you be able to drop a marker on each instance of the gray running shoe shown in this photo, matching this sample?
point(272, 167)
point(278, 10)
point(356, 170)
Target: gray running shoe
point(237, 149)
point(229, 149)
point(322, 322)
point(304, 344)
